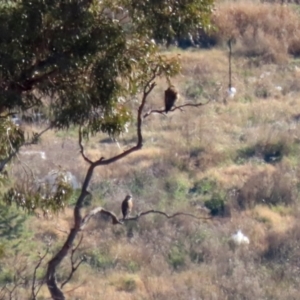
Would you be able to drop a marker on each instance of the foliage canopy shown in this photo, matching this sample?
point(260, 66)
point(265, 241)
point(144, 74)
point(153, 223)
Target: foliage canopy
point(80, 59)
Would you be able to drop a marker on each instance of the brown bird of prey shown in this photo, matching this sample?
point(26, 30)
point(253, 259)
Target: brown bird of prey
point(127, 206)
point(171, 95)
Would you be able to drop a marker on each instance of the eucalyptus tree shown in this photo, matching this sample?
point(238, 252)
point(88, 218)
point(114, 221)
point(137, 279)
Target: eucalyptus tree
point(82, 62)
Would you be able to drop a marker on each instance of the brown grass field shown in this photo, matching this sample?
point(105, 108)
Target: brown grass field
point(240, 157)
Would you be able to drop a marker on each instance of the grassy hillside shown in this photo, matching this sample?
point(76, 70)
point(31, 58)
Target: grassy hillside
point(239, 157)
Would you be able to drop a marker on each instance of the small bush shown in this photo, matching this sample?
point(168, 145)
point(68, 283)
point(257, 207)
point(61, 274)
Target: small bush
point(127, 284)
point(274, 152)
point(283, 248)
point(245, 153)
point(203, 187)
point(103, 188)
point(216, 205)
point(2, 251)
point(176, 187)
point(6, 277)
point(132, 266)
point(99, 260)
point(176, 257)
point(263, 91)
point(270, 152)
point(270, 188)
point(196, 151)
point(196, 257)
point(139, 182)
point(194, 90)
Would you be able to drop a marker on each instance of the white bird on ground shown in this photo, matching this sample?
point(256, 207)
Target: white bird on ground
point(239, 238)
point(231, 92)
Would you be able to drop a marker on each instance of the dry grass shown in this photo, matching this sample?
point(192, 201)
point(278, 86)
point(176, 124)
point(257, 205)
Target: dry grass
point(226, 150)
point(273, 219)
point(260, 29)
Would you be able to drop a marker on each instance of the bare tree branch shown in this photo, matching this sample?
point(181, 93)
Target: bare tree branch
point(162, 111)
point(54, 290)
point(37, 136)
point(81, 146)
point(34, 293)
point(153, 211)
point(24, 85)
point(100, 210)
point(74, 264)
point(11, 292)
point(116, 221)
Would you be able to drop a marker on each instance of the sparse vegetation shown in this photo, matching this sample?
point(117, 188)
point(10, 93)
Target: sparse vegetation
point(238, 163)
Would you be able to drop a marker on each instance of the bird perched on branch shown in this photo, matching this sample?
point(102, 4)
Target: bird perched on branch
point(171, 95)
point(127, 206)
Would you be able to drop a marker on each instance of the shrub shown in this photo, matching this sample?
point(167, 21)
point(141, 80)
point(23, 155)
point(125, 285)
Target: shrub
point(132, 266)
point(203, 187)
point(194, 90)
point(6, 276)
point(196, 256)
point(2, 251)
point(103, 188)
point(263, 90)
point(176, 186)
point(274, 152)
point(270, 188)
point(139, 182)
point(176, 257)
point(127, 284)
point(270, 152)
point(99, 260)
point(283, 247)
point(216, 205)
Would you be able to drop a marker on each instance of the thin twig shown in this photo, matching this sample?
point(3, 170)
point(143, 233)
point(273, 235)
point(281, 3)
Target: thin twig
point(33, 286)
point(11, 292)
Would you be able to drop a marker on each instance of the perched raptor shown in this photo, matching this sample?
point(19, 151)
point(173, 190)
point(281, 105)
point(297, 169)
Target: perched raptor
point(171, 95)
point(127, 206)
